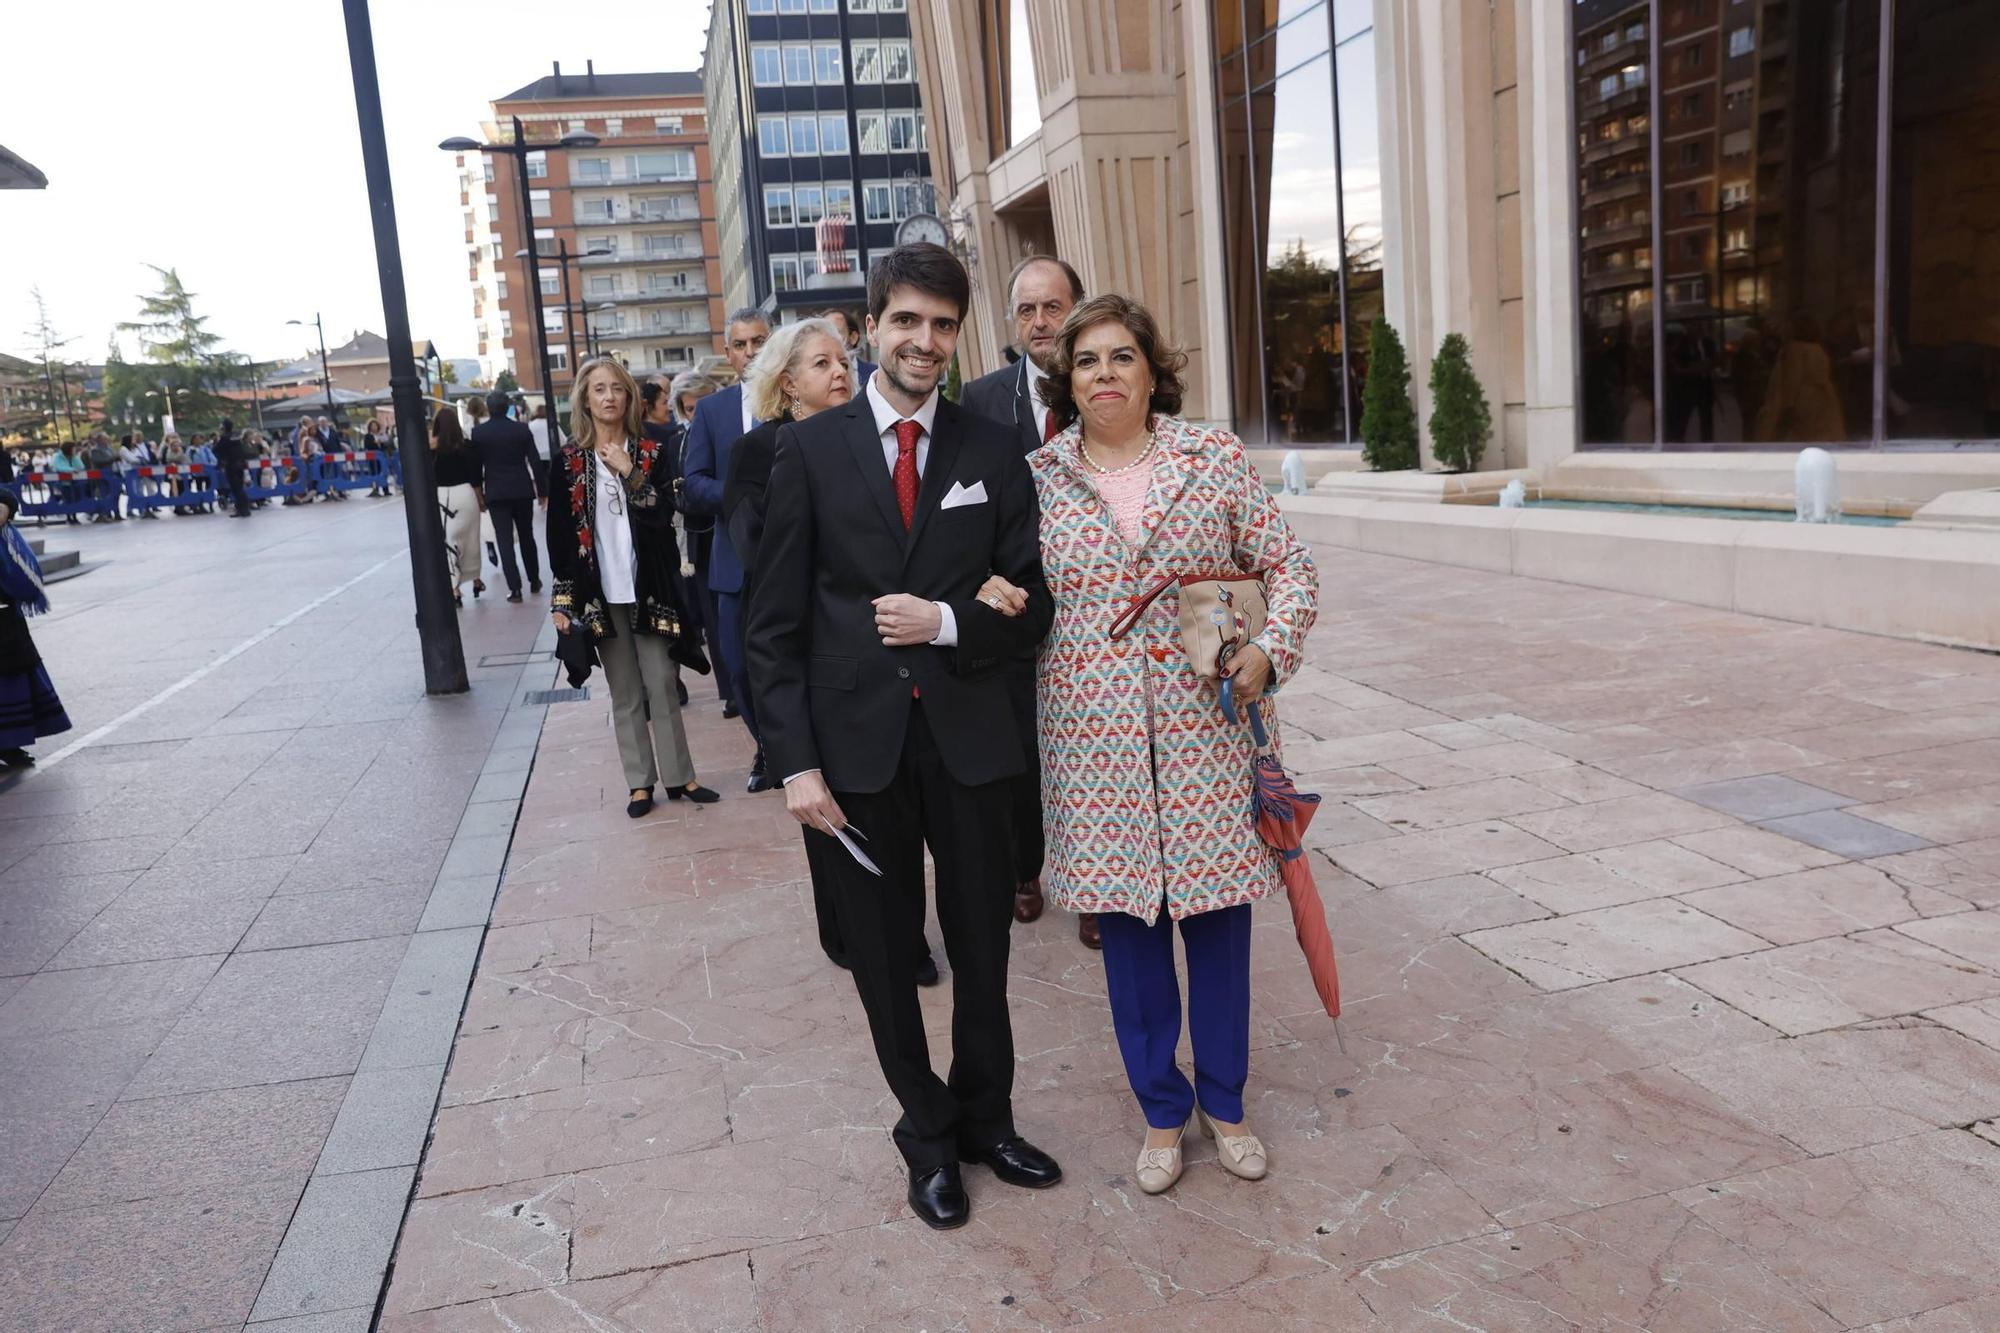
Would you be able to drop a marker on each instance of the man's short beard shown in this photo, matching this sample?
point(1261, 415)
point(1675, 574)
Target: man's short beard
point(888, 369)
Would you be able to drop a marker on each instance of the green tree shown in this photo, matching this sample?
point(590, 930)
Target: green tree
point(55, 399)
point(1388, 418)
point(448, 375)
point(1461, 422)
point(186, 360)
point(506, 383)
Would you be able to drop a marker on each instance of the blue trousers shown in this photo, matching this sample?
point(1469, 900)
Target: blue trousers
point(1146, 1010)
point(729, 647)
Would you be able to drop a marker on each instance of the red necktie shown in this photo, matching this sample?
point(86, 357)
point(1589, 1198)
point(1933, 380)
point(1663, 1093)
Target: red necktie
point(907, 433)
point(1049, 428)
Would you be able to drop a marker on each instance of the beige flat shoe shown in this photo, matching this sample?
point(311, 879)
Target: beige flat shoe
point(1159, 1168)
point(1241, 1155)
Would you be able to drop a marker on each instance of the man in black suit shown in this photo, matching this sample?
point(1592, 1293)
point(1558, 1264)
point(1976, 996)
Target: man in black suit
point(515, 480)
point(1041, 291)
point(881, 687)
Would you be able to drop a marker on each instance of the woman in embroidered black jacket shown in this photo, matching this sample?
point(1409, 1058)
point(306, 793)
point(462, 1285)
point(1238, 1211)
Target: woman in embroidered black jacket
point(617, 578)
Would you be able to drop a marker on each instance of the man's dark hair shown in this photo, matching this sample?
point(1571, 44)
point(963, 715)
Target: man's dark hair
point(930, 269)
point(848, 320)
point(1075, 282)
point(496, 403)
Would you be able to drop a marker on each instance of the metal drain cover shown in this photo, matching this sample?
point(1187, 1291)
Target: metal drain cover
point(556, 696)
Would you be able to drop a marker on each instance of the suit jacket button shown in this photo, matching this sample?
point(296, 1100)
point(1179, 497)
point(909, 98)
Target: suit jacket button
point(903, 672)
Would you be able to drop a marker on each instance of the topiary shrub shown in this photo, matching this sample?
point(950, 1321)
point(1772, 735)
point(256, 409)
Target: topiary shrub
point(1388, 418)
point(1461, 422)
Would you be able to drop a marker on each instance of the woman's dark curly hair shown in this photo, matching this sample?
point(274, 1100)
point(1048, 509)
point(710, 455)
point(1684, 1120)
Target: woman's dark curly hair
point(1166, 360)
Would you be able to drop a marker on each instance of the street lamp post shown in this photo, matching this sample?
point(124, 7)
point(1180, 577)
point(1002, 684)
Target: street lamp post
point(437, 623)
point(325, 375)
point(530, 267)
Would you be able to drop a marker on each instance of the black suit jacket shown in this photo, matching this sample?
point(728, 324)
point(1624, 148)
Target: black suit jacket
point(514, 471)
point(829, 694)
point(745, 492)
point(1004, 396)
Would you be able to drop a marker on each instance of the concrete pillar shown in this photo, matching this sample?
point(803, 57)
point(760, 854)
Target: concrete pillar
point(1435, 69)
point(1548, 244)
point(1112, 145)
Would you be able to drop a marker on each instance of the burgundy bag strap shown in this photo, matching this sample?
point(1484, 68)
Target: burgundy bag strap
point(1137, 606)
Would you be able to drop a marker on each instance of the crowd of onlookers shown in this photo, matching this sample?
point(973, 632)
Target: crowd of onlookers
point(272, 458)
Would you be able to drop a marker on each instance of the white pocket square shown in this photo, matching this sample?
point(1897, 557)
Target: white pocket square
point(961, 494)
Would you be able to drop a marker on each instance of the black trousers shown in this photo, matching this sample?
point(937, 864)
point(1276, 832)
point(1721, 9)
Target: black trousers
point(698, 555)
point(821, 852)
point(236, 486)
point(515, 518)
point(1030, 845)
point(968, 832)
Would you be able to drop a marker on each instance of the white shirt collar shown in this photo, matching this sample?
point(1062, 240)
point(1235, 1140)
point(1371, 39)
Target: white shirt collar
point(887, 416)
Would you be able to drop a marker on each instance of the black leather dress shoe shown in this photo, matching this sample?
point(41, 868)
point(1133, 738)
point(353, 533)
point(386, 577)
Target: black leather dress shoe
point(1018, 1162)
point(938, 1197)
point(760, 776)
point(927, 973)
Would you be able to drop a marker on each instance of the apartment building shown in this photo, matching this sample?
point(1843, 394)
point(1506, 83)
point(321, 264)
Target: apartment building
point(624, 230)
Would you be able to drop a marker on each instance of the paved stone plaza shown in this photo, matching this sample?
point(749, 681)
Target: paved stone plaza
point(235, 929)
point(1670, 942)
point(1673, 1003)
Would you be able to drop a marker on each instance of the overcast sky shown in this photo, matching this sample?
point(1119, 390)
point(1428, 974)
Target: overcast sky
point(219, 137)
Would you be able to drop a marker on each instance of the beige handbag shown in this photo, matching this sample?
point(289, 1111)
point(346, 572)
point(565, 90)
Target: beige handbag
point(1219, 614)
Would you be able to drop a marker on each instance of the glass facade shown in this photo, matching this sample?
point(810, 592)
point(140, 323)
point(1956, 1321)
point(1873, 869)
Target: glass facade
point(1756, 210)
point(1302, 211)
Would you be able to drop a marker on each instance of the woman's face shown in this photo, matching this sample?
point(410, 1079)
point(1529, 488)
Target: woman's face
point(606, 398)
point(819, 379)
point(1110, 380)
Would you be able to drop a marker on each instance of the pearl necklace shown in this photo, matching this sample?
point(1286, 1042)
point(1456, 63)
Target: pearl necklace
point(1083, 451)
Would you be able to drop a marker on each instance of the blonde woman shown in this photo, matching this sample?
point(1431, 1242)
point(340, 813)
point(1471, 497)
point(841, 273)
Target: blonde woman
point(617, 577)
point(456, 473)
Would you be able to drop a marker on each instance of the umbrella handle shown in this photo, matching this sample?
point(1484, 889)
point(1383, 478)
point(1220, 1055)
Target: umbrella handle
point(1257, 731)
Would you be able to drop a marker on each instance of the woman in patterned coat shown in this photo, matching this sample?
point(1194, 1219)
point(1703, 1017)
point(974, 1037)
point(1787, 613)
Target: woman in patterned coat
point(1146, 788)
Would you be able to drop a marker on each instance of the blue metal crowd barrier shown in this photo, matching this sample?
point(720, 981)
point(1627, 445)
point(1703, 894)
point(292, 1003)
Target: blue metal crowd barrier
point(275, 479)
point(84, 493)
point(360, 471)
point(168, 486)
point(87, 493)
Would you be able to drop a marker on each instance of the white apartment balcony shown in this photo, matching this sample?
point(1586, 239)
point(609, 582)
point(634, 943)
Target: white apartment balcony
point(624, 212)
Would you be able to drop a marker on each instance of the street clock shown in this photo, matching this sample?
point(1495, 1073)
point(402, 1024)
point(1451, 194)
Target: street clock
point(922, 227)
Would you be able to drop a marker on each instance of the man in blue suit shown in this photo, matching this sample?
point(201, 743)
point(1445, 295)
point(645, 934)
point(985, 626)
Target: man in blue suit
point(719, 421)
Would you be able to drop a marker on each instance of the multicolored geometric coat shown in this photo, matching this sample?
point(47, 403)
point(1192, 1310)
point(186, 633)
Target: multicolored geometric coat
point(1146, 789)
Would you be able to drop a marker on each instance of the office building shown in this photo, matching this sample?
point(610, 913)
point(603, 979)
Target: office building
point(821, 146)
point(1681, 226)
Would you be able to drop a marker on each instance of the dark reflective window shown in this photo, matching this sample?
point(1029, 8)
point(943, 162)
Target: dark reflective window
point(1291, 173)
point(1774, 266)
point(1944, 226)
point(1615, 220)
point(1770, 222)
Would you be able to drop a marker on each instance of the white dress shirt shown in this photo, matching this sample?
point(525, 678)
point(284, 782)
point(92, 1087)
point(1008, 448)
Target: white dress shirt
point(1036, 379)
point(749, 421)
point(886, 417)
point(617, 562)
